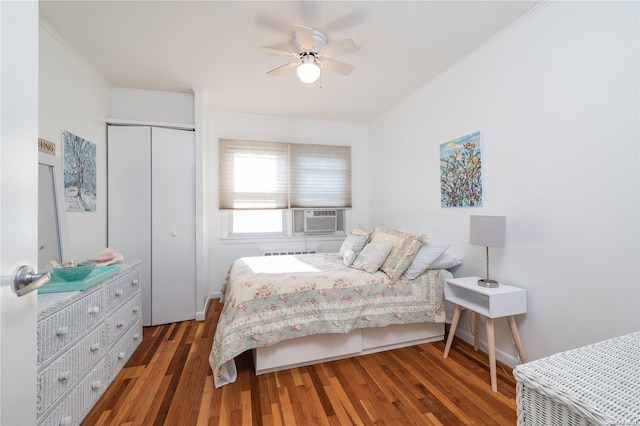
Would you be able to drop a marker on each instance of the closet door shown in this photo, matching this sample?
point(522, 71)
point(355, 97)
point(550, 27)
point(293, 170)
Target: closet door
point(173, 216)
point(129, 201)
point(151, 215)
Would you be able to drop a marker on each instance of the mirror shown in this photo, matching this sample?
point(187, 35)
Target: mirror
point(52, 217)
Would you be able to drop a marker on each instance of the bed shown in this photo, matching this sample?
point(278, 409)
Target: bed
point(296, 310)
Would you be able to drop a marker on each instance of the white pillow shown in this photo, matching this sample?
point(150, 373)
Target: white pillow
point(349, 257)
point(360, 230)
point(445, 261)
point(353, 242)
point(372, 257)
point(429, 252)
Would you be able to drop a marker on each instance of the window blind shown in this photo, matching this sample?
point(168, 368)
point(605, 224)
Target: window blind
point(320, 175)
point(277, 175)
point(253, 175)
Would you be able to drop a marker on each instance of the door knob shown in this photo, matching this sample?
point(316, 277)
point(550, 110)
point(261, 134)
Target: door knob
point(25, 280)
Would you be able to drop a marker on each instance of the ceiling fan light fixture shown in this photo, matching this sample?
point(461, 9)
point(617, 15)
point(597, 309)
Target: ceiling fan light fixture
point(308, 70)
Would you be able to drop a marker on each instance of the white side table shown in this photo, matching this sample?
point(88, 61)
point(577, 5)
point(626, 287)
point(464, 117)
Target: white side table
point(502, 301)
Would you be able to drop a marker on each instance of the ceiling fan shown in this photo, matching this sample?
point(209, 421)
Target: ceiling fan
point(312, 54)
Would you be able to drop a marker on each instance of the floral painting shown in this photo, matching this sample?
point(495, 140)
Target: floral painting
point(79, 173)
point(461, 172)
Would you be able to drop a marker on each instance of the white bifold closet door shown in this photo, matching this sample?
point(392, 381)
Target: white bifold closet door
point(151, 215)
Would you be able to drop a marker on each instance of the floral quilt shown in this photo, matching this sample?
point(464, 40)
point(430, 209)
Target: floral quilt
point(274, 298)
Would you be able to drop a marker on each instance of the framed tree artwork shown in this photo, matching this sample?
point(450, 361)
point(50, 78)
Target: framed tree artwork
point(79, 157)
point(461, 172)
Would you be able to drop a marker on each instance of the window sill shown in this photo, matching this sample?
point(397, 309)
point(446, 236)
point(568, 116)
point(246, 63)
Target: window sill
point(254, 239)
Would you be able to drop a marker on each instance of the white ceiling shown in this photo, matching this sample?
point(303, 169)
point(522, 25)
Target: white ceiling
point(213, 46)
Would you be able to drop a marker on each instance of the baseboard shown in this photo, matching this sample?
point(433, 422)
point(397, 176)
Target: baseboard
point(201, 316)
point(501, 356)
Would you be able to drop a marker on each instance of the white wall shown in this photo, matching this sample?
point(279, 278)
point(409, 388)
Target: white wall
point(73, 97)
point(556, 97)
point(263, 128)
point(152, 106)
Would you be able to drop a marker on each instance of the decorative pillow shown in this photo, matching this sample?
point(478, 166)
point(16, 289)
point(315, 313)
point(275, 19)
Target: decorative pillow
point(445, 261)
point(353, 242)
point(349, 257)
point(430, 251)
point(404, 248)
point(372, 257)
point(360, 230)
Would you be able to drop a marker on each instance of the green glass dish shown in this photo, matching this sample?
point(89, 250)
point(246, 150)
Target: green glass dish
point(74, 273)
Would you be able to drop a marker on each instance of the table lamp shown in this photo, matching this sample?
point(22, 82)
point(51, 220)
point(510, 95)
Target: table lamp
point(487, 231)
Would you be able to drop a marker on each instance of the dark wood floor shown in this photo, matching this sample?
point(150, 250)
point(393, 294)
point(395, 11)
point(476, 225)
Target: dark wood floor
point(168, 381)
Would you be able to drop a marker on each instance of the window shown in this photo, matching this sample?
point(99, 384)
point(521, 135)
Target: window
point(257, 222)
point(259, 181)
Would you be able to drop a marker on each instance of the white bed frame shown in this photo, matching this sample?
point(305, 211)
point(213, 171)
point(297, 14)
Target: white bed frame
point(328, 347)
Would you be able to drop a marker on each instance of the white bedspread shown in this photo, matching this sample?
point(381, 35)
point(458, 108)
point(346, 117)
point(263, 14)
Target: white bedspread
point(274, 298)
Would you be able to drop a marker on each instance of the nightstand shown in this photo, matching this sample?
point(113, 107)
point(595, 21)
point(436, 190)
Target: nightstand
point(503, 301)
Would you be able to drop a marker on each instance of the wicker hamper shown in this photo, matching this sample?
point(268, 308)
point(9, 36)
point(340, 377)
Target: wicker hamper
point(597, 384)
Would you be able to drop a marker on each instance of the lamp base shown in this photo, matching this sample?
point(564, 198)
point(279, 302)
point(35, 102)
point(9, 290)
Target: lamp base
point(486, 282)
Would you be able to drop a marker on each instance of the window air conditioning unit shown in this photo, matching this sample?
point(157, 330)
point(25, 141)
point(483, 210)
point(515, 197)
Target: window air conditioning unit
point(320, 220)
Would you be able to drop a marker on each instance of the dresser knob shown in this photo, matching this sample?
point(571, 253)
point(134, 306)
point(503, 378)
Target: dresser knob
point(136, 336)
point(119, 292)
point(95, 347)
point(96, 385)
point(94, 309)
point(66, 421)
point(62, 331)
point(120, 324)
point(121, 355)
point(135, 309)
point(63, 376)
point(134, 282)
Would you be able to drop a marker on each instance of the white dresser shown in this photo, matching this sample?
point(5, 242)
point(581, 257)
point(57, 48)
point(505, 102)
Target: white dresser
point(84, 340)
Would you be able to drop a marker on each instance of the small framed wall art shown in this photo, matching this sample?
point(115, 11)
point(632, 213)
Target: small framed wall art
point(461, 172)
point(80, 191)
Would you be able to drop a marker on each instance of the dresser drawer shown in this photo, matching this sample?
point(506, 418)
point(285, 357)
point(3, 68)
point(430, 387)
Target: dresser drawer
point(120, 353)
point(68, 369)
point(72, 409)
point(122, 289)
point(122, 319)
point(63, 327)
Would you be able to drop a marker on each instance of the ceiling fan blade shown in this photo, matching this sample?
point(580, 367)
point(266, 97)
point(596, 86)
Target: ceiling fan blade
point(275, 51)
point(340, 47)
point(337, 66)
point(283, 68)
point(305, 38)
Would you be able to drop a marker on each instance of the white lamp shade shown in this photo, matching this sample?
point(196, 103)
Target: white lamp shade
point(308, 72)
point(487, 231)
